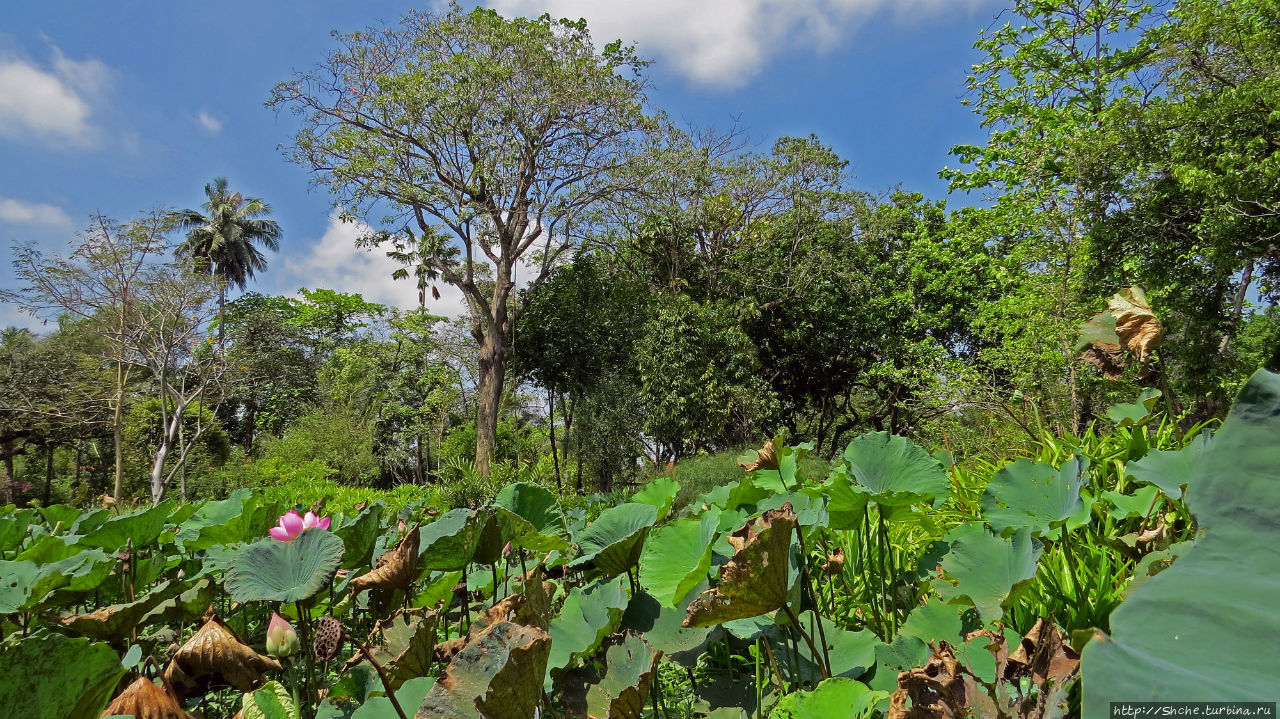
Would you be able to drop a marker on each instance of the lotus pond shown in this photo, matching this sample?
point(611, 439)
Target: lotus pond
point(1139, 565)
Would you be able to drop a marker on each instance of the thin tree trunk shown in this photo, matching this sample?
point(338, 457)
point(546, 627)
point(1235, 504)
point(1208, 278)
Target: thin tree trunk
point(1237, 309)
point(551, 422)
point(117, 431)
point(493, 367)
point(48, 474)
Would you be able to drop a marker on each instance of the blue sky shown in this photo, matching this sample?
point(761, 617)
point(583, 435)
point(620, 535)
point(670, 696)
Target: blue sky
point(121, 107)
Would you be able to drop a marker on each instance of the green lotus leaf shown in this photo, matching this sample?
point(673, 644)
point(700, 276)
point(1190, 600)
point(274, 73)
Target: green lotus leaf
point(677, 557)
point(271, 701)
point(589, 614)
point(986, 570)
point(140, 528)
point(663, 627)
point(835, 697)
point(233, 520)
point(615, 541)
point(621, 694)
point(49, 548)
point(410, 696)
point(808, 508)
point(79, 573)
point(846, 506)
point(852, 653)
point(17, 579)
point(91, 520)
point(1205, 628)
point(358, 536)
point(496, 676)
point(1171, 470)
point(1128, 415)
point(902, 654)
point(186, 607)
point(60, 514)
point(489, 541)
point(270, 570)
point(659, 493)
point(56, 677)
point(1033, 495)
point(410, 638)
point(449, 543)
point(894, 470)
point(531, 517)
point(1141, 503)
point(939, 621)
point(14, 527)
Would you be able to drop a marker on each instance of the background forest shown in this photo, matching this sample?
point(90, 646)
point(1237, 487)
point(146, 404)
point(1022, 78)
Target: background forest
point(687, 294)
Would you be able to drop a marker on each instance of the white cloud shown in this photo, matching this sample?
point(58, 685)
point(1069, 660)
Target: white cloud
point(726, 42)
point(334, 262)
point(34, 213)
point(209, 122)
point(52, 104)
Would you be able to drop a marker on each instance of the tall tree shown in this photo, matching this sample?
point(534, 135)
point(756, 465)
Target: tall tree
point(222, 236)
point(506, 133)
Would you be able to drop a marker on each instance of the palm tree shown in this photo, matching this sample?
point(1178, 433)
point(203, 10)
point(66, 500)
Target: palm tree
point(221, 237)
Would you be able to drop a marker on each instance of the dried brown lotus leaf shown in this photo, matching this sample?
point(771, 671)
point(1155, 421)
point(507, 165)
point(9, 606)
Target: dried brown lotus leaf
point(144, 700)
point(835, 562)
point(766, 458)
point(1043, 655)
point(214, 654)
point(754, 581)
point(941, 689)
point(1109, 361)
point(1136, 325)
point(395, 569)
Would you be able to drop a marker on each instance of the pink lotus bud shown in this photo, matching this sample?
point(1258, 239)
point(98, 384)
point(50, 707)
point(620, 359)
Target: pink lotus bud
point(282, 639)
point(506, 551)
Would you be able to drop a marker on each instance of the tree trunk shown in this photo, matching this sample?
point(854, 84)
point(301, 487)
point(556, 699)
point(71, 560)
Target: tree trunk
point(494, 353)
point(117, 431)
point(168, 436)
point(551, 423)
point(48, 474)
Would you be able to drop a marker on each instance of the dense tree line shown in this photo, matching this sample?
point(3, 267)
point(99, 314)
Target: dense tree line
point(639, 292)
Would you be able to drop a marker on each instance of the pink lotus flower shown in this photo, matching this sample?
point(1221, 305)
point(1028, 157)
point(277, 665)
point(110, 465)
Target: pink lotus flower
point(291, 525)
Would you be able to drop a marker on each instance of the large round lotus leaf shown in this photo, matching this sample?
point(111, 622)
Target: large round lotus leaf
point(894, 470)
point(17, 579)
point(663, 627)
point(449, 543)
point(276, 571)
point(1170, 470)
point(622, 692)
point(358, 537)
point(660, 493)
point(225, 521)
point(489, 541)
point(141, 528)
point(271, 701)
point(589, 614)
point(983, 570)
point(938, 621)
point(677, 557)
point(60, 514)
point(1205, 628)
point(531, 517)
point(615, 540)
point(1033, 495)
point(55, 677)
point(13, 528)
point(835, 697)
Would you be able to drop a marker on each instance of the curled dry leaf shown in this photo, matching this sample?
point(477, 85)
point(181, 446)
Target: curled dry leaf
point(754, 581)
point(1109, 361)
point(1043, 656)
point(531, 607)
point(214, 655)
point(144, 700)
point(498, 675)
point(835, 562)
point(395, 569)
point(1136, 325)
point(766, 458)
point(941, 689)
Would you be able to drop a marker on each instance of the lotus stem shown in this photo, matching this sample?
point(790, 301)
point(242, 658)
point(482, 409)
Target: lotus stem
point(813, 599)
point(382, 675)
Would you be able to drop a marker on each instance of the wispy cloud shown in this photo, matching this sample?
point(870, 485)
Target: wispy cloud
point(33, 213)
point(724, 43)
point(209, 122)
point(334, 262)
point(51, 103)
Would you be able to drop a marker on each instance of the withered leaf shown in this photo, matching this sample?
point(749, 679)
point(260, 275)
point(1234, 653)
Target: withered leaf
point(1136, 325)
point(213, 655)
point(498, 675)
point(941, 689)
point(754, 581)
point(1043, 655)
point(395, 569)
point(766, 458)
point(144, 700)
